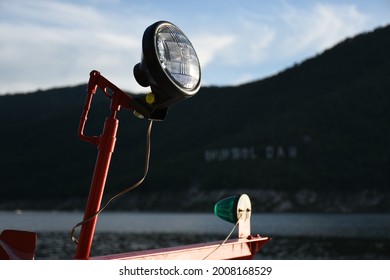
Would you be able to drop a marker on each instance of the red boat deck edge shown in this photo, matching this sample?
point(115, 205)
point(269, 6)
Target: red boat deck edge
point(239, 249)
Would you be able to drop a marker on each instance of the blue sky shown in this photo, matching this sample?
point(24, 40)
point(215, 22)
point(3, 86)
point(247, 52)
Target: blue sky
point(57, 43)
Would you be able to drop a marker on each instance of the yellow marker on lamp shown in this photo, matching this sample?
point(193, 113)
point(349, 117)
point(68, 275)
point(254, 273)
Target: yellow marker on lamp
point(150, 98)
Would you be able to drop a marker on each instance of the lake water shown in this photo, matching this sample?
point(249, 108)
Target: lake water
point(294, 236)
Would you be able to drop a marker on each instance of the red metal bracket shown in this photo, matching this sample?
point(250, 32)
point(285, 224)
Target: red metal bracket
point(117, 96)
point(17, 245)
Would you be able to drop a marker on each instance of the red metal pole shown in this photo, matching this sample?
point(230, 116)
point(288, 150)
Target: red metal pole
point(106, 145)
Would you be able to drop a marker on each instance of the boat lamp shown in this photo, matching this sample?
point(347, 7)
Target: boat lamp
point(169, 66)
point(234, 209)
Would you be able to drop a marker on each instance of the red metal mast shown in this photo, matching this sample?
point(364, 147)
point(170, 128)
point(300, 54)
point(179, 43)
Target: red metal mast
point(106, 145)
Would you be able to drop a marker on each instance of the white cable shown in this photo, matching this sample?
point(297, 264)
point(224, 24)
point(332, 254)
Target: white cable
point(132, 187)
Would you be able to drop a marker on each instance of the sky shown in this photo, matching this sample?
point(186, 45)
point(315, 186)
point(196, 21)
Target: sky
point(46, 44)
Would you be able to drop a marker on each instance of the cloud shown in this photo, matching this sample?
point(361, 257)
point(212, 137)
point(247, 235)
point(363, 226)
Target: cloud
point(268, 41)
point(252, 43)
point(243, 41)
point(318, 27)
point(54, 43)
point(209, 46)
point(292, 32)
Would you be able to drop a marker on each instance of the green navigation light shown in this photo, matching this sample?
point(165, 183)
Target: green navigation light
point(234, 208)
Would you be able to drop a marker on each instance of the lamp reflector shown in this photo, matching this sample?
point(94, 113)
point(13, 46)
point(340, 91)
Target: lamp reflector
point(177, 56)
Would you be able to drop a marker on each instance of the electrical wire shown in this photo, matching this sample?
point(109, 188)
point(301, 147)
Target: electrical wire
point(132, 187)
point(223, 242)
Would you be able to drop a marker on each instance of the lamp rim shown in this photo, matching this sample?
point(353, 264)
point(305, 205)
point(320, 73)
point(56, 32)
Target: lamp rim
point(158, 77)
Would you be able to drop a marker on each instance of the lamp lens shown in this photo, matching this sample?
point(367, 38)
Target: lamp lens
point(177, 56)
